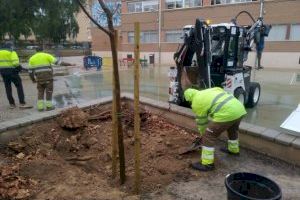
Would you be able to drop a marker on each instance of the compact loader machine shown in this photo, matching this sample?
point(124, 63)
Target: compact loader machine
point(214, 56)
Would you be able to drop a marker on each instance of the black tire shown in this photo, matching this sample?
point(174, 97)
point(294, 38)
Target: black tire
point(240, 93)
point(254, 95)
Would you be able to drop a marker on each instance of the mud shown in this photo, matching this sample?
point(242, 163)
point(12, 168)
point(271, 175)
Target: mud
point(70, 157)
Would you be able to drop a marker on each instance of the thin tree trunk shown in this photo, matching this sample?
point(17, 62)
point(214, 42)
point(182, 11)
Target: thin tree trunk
point(114, 138)
point(118, 105)
point(114, 134)
point(111, 32)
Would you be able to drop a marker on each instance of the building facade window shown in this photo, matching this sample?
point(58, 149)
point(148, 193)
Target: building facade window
point(277, 33)
point(146, 37)
point(173, 4)
point(295, 32)
point(142, 6)
point(215, 2)
point(131, 37)
point(174, 36)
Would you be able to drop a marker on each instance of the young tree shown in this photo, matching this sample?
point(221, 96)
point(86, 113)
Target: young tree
point(112, 34)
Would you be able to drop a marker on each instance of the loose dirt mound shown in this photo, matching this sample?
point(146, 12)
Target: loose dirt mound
point(67, 160)
point(73, 118)
point(12, 185)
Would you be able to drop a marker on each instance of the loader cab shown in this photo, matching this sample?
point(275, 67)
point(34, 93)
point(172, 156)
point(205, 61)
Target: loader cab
point(226, 46)
point(226, 51)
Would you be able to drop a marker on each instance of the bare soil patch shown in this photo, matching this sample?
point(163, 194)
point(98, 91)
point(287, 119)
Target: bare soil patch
point(70, 157)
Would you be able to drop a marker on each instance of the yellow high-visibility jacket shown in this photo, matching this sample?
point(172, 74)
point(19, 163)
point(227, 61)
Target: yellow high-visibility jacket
point(214, 104)
point(41, 60)
point(8, 59)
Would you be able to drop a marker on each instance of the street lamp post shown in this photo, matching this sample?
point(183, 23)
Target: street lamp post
point(159, 33)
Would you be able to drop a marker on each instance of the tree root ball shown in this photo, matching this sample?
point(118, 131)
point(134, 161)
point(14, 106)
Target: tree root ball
point(73, 118)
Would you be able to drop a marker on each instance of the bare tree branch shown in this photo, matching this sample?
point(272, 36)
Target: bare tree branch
point(92, 19)
point(109, 16)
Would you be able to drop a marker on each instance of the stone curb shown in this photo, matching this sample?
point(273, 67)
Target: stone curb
point(257, 131)
point(38, 117)
point(285, 139)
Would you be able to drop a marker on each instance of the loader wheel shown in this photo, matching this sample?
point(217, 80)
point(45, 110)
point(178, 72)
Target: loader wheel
point(240, 94)
point(254, 95)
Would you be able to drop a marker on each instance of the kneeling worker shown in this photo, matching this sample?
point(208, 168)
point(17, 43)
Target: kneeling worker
point(40, 71)
point(216, 111)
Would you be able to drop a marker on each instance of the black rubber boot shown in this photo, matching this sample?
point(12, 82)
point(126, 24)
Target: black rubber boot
point(203, 168)
point(225, 150)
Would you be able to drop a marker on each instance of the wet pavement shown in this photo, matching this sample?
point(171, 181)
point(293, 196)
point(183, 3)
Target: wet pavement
point(280, 91)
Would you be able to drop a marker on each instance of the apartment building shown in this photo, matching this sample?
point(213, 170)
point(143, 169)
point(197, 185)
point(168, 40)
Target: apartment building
point(161, 29)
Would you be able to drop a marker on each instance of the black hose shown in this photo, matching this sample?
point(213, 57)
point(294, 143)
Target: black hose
point(245, 13)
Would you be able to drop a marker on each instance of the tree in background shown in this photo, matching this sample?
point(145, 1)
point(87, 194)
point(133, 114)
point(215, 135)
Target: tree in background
point(48, 20)
point(16, 18)
point(55, 20)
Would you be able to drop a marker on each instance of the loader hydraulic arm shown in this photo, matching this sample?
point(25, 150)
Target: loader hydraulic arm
point(256, 32)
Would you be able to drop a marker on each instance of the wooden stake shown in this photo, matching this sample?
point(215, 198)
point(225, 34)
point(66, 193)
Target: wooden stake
point(137, 137)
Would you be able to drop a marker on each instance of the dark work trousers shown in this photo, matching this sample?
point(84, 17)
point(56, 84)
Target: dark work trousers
point(12, 76)
point(215, 129)
point(45, 87)
point(259, 54)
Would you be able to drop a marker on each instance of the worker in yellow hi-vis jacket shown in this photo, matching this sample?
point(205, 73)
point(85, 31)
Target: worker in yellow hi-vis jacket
point(9, 70)
point(216, 111)
point(40, 71)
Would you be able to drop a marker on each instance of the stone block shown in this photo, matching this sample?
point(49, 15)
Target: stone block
point(85, 105)
point(285, 139)
point(245, 125)
point(296, 143)
point(3, 127)
point(270, 134)
point(11, 124)
point(35, 117)
point(104, 100)
point(22, 121)
point(255, 130)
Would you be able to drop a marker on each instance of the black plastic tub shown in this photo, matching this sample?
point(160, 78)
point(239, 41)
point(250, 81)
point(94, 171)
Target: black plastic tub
point(248, 186)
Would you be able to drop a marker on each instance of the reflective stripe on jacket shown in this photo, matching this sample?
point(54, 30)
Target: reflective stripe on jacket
point(41, 60)
point(214, 103)
point(8, 59)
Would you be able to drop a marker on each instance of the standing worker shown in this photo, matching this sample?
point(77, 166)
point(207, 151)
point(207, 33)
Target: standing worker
point(216, 111)
point(260, 45)
point(9, 69)
point(40, 71)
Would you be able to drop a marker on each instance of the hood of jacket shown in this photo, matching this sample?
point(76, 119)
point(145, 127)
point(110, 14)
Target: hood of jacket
point(189, 94)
